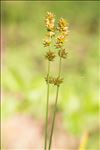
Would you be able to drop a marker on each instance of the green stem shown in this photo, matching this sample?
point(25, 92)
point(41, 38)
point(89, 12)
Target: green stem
point(53, 118)
point(59, 67)
point(46, 118)
point(55, 107)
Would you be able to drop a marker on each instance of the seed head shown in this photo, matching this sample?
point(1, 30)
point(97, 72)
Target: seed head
point(60, 41)
point(46, 42)
point(49, 21)
point(57, 81)
point(61, 38)
point(62, 25)
point(54, 80)
point(62, 53)
point(50, 55)
point(58, 45)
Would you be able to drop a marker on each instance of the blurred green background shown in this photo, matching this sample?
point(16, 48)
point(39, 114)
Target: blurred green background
point(24, 66)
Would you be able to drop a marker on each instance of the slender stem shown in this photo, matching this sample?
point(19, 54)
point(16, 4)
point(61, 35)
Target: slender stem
point(46, 118)
point(55, 107)
point(50, 141)
point(59, 67)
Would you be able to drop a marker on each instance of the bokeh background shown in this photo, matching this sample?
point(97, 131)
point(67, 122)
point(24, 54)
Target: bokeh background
point(24, 68)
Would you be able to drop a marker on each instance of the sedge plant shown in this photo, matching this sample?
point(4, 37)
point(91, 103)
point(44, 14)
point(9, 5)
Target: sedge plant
point(61, 30)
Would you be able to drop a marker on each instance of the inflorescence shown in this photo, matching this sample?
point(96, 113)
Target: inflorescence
point(61, 30)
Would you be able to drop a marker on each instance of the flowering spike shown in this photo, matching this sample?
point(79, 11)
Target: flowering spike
point(50, 20)
point(62, 53)
point(50, 55)
point(46, 42)
point(62, 25)
point(57, 81)
point(60, 41)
